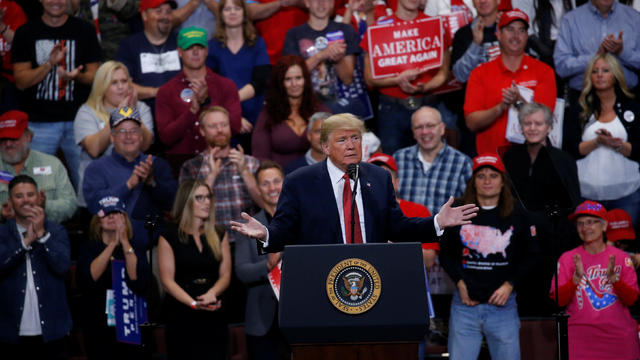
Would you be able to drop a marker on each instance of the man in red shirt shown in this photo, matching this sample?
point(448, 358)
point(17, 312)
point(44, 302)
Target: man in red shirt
point(492, 86)
point(404, 93)
point(180, 101)
point(11, 17)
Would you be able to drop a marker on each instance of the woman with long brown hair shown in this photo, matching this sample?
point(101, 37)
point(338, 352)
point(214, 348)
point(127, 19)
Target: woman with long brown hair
point(281, 132)
point(486, 260)
point(194, 260)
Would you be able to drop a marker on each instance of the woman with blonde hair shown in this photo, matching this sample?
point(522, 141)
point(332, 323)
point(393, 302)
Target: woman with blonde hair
point(609, 172)
point(195, 269)
point(112, 88)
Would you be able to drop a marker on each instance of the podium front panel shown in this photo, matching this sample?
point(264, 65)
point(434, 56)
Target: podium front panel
point(308, 316)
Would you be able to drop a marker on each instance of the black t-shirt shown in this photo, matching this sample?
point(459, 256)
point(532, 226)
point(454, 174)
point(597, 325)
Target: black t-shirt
point(489, 252)
point(53, 99)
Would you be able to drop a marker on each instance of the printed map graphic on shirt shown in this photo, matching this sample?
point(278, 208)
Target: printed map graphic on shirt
point(486, 240)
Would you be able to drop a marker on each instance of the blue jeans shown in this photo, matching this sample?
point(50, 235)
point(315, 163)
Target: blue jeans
point(500, 325)
point(629, 203)
point(48, 137)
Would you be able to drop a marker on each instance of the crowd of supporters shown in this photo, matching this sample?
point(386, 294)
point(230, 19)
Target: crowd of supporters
point(145, 126)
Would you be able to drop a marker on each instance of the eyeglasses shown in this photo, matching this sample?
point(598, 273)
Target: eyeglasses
point(588, 222)
point(125, 132)
point(426, 126)
point(200, 198)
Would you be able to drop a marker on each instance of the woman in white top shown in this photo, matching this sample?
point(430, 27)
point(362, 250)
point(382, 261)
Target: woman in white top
point(609, 171)
point(112, 88)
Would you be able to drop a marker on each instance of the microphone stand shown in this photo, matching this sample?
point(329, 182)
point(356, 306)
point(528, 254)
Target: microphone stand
point(561, 317)
point(354, 173)
point(150, 224)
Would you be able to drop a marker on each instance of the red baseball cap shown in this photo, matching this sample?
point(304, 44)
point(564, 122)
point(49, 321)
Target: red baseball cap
point(384, 159)
point(488, 159)
point(590, 208)
point(510, 16)
point(620, 226)
point(152, 4)
point(12, 124)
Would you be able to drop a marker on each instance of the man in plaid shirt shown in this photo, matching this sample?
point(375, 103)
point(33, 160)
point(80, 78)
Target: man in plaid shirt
point(431, 171)
point(229, 172)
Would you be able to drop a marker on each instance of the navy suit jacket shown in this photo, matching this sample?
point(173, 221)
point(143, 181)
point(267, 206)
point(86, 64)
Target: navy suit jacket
point(307, 211)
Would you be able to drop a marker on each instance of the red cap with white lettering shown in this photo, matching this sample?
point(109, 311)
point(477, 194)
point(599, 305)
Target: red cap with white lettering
point(510, 16)
point(488, 159)
point(620, 225)
point(12, 124)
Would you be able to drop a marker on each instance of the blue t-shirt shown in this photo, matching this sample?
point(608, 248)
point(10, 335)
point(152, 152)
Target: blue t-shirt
point(239, 68)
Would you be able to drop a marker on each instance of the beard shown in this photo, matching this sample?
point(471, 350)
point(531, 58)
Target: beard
point(17, 157)
point(219, 141)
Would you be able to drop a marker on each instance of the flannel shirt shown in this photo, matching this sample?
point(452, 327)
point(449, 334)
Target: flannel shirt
point(447, 176)
point(230, 191)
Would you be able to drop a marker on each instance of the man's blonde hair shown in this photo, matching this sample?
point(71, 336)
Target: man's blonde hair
point(343, 121)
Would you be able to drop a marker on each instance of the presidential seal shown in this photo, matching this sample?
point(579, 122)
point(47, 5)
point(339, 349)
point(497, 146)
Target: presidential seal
point(353, 286)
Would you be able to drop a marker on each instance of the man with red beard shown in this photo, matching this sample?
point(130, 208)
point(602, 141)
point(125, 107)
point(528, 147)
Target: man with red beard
point(229, 172)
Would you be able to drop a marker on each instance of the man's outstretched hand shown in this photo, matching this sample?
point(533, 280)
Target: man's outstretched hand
point(252, 228)
point(454, 216)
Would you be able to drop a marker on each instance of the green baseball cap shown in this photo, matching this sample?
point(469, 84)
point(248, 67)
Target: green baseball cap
point(190, 36)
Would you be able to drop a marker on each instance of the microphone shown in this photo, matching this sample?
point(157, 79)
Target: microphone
point(354, 172)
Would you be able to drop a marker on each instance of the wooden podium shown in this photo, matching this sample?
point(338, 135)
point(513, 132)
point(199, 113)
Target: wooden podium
point(360, 302)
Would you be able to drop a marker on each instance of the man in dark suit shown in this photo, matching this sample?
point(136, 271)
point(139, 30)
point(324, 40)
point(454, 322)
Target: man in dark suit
point(313, 207)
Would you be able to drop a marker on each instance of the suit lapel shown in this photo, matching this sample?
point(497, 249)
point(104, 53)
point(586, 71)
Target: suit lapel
point(324, 189)
point(365, 191)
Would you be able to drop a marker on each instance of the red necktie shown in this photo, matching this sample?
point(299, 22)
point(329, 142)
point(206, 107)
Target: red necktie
point(347, 197)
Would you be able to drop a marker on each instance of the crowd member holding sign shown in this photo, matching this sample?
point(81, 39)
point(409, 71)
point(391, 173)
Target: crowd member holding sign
point(598, 283)
point(34, 258)
point(112, 237)
point(57, 197)
point(195, 269)
point(296, 218)
point(487, 260)
point(492, 88)
point(610, 142)
point(410, 87)
point(264, 339)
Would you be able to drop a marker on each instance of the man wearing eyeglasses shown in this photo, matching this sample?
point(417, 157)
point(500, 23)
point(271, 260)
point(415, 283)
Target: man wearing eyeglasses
point(430, 171)
point(56, 195)
point(144, 183)
point(493, 86)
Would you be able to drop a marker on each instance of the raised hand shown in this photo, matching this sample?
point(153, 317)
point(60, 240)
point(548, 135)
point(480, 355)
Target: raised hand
point(612, 276)
point(236, 156)
point(57, 54)
point(578, 272)
point(454, 216)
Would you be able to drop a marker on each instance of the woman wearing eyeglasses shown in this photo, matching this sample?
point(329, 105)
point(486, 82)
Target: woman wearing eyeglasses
point(195, 269)
point(598, 283)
